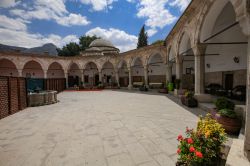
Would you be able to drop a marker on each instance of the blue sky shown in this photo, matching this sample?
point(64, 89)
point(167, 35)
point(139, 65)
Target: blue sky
point(31, 23)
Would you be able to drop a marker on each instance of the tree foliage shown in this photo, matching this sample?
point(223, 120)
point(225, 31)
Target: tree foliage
point(74, 49)
point(158, 42)
point(143, 38)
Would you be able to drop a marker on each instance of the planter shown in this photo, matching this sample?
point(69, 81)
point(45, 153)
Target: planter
point(163, 91)
point(216, 162)
point(189, 102)
point(170, 86)
point(231, 126)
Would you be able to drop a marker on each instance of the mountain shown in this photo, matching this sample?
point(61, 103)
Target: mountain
point(49, 49)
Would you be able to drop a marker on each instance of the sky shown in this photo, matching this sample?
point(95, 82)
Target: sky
point(32, 23)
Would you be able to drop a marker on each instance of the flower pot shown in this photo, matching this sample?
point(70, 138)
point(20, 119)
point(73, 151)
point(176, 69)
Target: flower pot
point(163, 91)
point(231, 126)
point(190, 102)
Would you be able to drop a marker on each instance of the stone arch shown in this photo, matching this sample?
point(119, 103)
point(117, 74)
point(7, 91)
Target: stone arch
point(55, 70)
point(8, 68)
point(71, 63)
point(91, 74)
point(33, 69)
point(123, 73)
point(108, 73)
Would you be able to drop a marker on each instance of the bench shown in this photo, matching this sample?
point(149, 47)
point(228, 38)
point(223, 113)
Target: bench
point(155, 85)
point(137, 84)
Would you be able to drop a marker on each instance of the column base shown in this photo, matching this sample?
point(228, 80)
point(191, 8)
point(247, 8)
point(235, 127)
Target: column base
point(130, 87)
point(204, 98)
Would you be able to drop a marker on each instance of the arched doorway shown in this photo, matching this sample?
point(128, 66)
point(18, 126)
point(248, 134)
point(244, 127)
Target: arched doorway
point(55, 70)
point(137, 72)
point(186, 56)
point(123, 74)
point(226, 50)
point(108, 74)
point(156, 71)
point(91, 75)
point(74, 75)
point(8, 68)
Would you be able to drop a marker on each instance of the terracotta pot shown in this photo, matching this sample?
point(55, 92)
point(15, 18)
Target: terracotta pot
point(231, 126)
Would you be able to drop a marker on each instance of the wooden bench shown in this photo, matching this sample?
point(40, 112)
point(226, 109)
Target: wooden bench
point(137, 84)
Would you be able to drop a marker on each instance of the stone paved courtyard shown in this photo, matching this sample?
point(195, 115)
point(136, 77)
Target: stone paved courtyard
point(106, 128)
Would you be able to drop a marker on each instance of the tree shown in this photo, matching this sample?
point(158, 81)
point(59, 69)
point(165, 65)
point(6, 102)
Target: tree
point(143, 38)
point(84, 41)
point(71, 49)
point(158, 42)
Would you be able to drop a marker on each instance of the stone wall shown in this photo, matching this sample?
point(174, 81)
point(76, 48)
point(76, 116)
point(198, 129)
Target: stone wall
point(13, 95)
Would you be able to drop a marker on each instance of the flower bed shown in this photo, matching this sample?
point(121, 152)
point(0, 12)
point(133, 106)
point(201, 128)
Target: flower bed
point(203, 145)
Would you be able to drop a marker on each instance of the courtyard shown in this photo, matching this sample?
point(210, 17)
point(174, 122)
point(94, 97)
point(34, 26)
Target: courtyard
point(102, 128)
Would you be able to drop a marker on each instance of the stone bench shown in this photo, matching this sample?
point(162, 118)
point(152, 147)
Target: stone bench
point(155, 85)
point(137, 84)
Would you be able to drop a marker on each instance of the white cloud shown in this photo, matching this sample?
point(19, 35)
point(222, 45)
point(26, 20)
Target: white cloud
point(181, 4)
point(14, 24)
point(151, 32)
point(99, 5)
point(119, 38)
point(51, 10)
point(25, 39)
point(7, 3)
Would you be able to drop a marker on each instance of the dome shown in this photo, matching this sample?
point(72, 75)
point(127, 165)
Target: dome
point(101, 43)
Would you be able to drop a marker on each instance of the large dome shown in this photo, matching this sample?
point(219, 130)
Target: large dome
point(101, 43)
point(102, 47)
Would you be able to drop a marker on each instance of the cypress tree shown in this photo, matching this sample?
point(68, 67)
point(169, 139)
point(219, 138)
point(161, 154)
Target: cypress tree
point(143, 38)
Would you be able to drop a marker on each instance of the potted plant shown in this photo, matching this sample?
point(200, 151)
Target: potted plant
point(170, 86)
point(226, 116)
point(164, 89)
point(202, 147)
point(188, 99)
point(143, 88)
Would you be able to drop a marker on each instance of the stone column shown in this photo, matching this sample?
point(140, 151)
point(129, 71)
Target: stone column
point(179, 69)
point(169, 72)
point(199, 63)
point(100, 76)
point(247, 126)
point(82, 78)
point(130, 86)
point(67, 80)
point(20, 73)
point(146, 76)
point(117, 77)
point(45, 74)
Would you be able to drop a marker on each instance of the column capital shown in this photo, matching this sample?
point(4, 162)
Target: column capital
point(199, 49)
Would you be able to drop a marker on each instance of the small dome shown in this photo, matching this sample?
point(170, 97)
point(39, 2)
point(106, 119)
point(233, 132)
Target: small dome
point(101, 43)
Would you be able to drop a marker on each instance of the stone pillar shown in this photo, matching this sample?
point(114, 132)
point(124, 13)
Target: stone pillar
point(45, 74)
point(20, 73)
point(67, 80)
point(179, 69)
point(247, 126)
point(117, 77)
point(169, 72)
point(130, 86)
point(146, 76)
point(199, 63)
point(100, 76)
point(82, 78)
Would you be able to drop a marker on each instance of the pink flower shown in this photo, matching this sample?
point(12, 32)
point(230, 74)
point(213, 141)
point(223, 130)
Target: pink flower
point(180, 138)
point(190, 141)
point(192, 149)
point(198, 154)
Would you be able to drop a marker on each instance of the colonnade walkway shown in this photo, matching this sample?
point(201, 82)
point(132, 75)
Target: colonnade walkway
point(103, 128)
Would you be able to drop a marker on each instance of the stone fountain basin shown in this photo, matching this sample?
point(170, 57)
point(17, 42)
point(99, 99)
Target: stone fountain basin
point(42, 98)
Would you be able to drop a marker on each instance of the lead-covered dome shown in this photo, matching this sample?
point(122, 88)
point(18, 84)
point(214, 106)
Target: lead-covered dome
point(101, 43)
point(102, 47)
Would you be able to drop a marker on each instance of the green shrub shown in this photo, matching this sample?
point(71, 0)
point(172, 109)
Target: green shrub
point(223, 103)
point(228, 113)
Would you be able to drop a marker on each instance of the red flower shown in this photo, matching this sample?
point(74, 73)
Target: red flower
point(192, 149)
point(187, 129)
point(179, 151)
point(180, 138)
point(198, 154)
point(190, 141)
